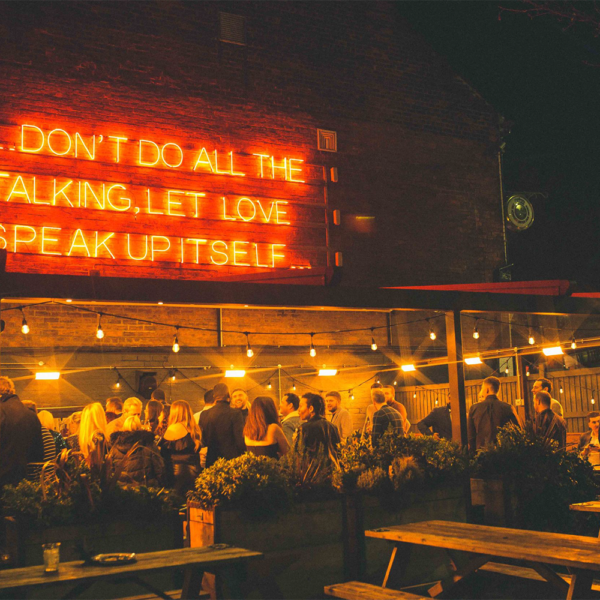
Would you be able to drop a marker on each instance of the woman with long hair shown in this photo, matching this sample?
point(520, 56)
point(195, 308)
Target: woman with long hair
point(163, 420)
point(152, 415)
point(134, 451)
point(179, 447)
point(263, 434)
point(92, 434)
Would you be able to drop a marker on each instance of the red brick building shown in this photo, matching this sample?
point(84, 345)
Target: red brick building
point(199, 90)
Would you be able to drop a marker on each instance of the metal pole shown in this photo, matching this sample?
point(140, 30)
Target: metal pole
point(456, 375)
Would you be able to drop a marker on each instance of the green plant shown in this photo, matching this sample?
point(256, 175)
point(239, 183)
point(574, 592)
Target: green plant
point(544, 479)
point(404, 471)
point(374, 481)
point(255, 484)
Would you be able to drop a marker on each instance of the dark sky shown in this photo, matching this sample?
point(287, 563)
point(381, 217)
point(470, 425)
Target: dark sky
point(546, 81)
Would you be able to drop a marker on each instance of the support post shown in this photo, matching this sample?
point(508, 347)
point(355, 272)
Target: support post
point(524, 411)
point(456, 374)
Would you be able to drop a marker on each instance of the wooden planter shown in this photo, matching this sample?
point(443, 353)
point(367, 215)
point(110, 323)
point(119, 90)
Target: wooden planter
point(321, 542)
point(499, 502)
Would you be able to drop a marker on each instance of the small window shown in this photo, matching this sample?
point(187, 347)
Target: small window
point(327, 140)
point(232, 28)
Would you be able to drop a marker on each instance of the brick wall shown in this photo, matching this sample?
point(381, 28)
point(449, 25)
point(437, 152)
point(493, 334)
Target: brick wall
point(417, 146)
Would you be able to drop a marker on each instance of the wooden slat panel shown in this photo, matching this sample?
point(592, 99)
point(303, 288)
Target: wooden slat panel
point(357, 590)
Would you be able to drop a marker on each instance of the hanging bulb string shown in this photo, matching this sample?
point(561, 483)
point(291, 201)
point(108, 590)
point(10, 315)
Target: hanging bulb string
point(124, 380)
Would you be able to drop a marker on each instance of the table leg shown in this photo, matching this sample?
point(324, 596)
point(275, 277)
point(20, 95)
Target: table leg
point(581, 584)
point(446, 584)
point(552, 577)
point(397, 565)
point(192, 583)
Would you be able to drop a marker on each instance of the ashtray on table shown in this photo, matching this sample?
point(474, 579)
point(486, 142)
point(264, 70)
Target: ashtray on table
point(119, 558)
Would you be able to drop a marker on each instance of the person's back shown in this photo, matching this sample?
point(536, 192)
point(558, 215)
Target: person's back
point(437, 422)
point(222, 428)
point(20, 435)
point(316, 434)
point(487, 416)
point(548, 425)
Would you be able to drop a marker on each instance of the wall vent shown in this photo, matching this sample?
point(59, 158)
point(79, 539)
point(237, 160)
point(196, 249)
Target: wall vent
point(327, 140)
point(232, 28)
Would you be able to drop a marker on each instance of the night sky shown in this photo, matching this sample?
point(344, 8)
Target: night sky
point(546, 81)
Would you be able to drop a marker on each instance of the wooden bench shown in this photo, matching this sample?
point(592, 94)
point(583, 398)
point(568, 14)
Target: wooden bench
point(539, 550)
point(357, 590)
point(193, 561)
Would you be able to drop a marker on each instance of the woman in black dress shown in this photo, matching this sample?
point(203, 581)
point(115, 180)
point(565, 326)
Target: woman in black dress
point(263, 434)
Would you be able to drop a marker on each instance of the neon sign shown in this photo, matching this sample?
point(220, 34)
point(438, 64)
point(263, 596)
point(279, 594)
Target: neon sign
point(53, 204)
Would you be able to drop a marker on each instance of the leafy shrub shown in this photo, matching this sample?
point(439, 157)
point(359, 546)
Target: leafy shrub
point(545, 480)
point(404, 471)
point(255, 484)
point(374, 481)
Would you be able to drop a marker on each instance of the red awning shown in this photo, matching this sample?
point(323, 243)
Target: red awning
point(558, 287)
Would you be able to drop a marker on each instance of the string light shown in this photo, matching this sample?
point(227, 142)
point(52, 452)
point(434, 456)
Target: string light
point(475, 332)
point(415, 395)
point(531, 339)
point(99, 330)
point(249, 351)
point(561, 391)
point(313, 352)
point(432, 334)
point(373, 344)
point(172, 375)
point(395, 383)
point(269, 386)
point(176, 347)
point(294, 387)
point(24, 326)
point(118, 382)
point(573, 344)
point(351, 393)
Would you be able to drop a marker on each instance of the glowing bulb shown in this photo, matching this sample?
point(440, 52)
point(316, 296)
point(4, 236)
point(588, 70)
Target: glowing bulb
point(414, 395)
point(475, 334)
point(573, 344)
point(313, 352)
point(593, 401)
point(24, 327)
point(506, 370)
point(249, 352)
point(432, 334)
point(118, 384)
point(554, 351)
point(173, 377)
point(176, 345)
point(99, 332)
point(531, 339)
point(373, 344)
point(561, 391)
point(269, 385)
point(351, 395)
point(294, 387)
point(395, 383)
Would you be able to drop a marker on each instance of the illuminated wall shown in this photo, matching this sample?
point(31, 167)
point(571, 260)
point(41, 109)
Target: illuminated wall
point(134, 143)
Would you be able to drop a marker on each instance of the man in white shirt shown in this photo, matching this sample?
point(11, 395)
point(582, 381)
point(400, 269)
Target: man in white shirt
point(337, 415)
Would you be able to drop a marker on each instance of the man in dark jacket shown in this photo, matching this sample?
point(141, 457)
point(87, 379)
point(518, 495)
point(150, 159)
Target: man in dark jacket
point(222, 428)
point(20, 435)
point(437, 423)
point(316, 433)
point(547, 423)
point(487, 416)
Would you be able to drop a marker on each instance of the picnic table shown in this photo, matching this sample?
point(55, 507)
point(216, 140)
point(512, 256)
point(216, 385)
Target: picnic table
point(539, 550)
point(193, 561)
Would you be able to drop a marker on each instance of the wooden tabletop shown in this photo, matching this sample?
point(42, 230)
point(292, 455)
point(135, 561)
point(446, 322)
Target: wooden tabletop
point(207, 557)
point(593, 506)
point(553, 548)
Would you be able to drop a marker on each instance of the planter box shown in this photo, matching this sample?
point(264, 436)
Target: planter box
point(498, 500)
point(303, 549)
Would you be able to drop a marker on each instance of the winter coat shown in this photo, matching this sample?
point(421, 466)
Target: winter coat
point(145, 465)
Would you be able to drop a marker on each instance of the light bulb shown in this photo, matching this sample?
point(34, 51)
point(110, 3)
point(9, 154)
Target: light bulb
point(506, 370)
point(395, 383)
point(573, 344)
point(593, 401)
point(561, 390)
point(373, 344)
point(175, 345)
point(249, 352)
point(99, 332)
point(415, 395)
point(432, 334)
point(475, 334)
point(269, 385)
point(294, 387)
point(118, 384)
point(24, 327)
point(531, 339)
point(313, 352)
point(173, 377)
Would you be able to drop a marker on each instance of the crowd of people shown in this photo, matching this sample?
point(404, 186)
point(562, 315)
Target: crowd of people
point(163, 444)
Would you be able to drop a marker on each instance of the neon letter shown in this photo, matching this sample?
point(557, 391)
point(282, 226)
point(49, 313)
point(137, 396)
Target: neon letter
point(122, 187)
point(49, 239)
point(61, 191)
point(197, 242)
point(103, 243)
point(156, 250)
point(292, 168)
point(86, 187)
point(23, 149)
point(18, 241)
point(231, 171)
point(262, 174)
point(241, 251)
point(91, 154)
point(258, 261)
point(162, 153)
point(15, 192)
point(3, 239)
point(273, 167)
point(150, 211)
point(274, 255)
point(156, 148)
point(214, 249)
point(83, 243)
point(175, 203)
point(225, 217)
point(267, 219)
point(196, 196)
point(217, 166)
point(239, 212)
point(129, 248)
point(279, 212)
point(119, 139)
point(50, 145)
point(206, 161)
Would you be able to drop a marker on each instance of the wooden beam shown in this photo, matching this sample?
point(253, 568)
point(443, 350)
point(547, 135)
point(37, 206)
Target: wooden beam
point(456, 375)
